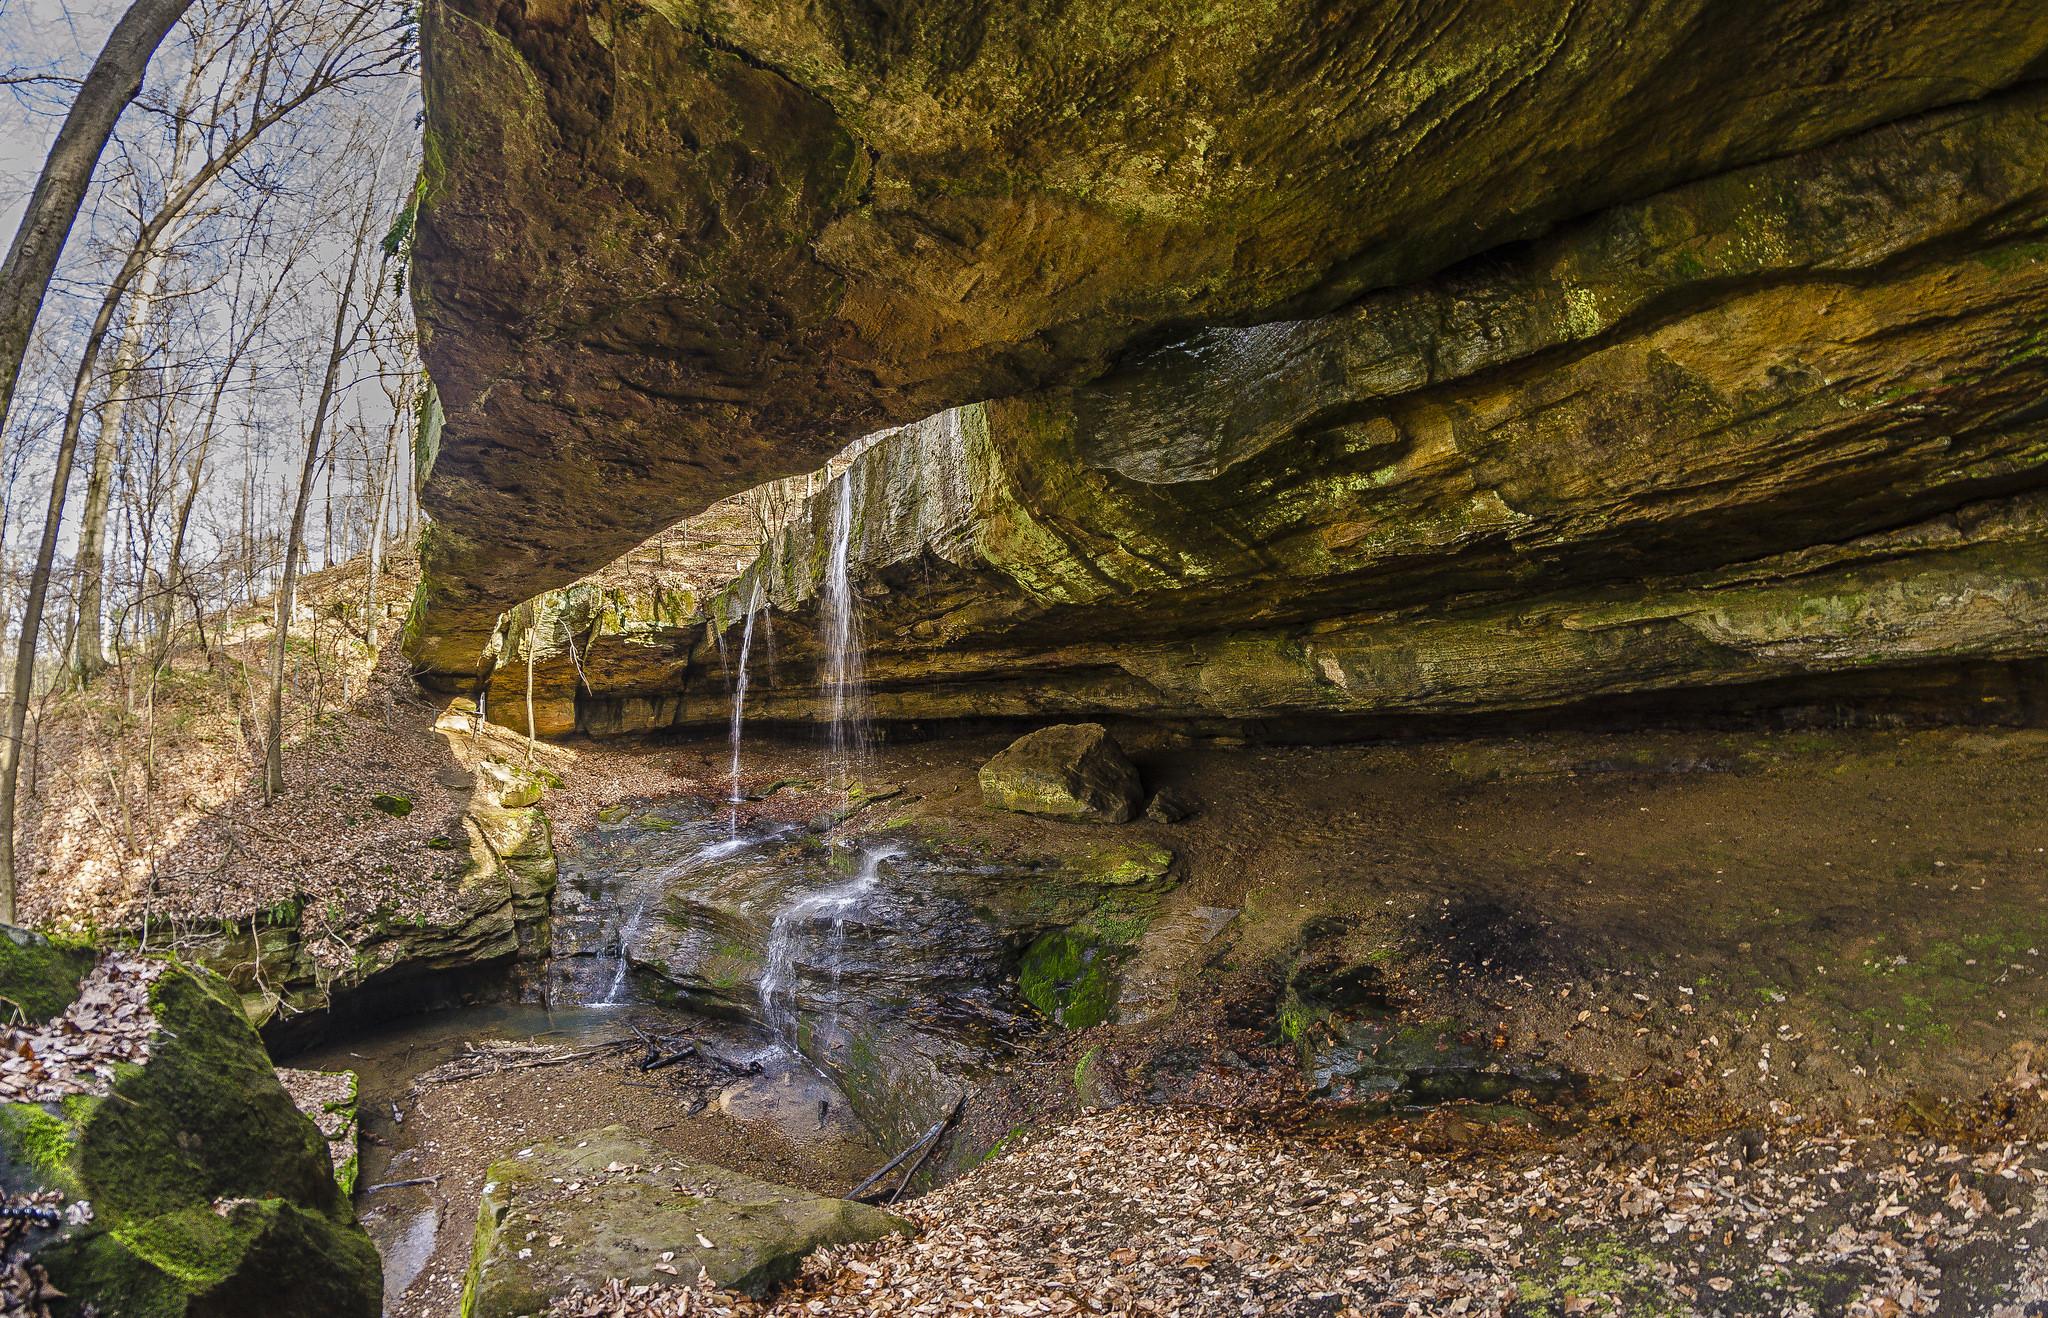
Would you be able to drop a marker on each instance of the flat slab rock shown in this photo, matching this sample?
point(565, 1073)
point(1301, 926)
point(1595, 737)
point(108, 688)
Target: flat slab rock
point(1067, 771)
point(577, 1212)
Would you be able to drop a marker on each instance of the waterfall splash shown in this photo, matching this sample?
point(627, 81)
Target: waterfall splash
point(739, 705)
point(622, 965)
point(833, 905)
point(626, 933)
point(844, 679)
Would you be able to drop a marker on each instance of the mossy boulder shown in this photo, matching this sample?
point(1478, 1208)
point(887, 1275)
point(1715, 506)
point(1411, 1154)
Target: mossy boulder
point(621, 1208)
point(1067, 771)
point(207, 1186)
point(39, 978)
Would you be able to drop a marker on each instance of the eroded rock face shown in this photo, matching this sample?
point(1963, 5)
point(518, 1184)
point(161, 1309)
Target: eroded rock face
point(666, 251)
point(579, 1211)
point(1776, 429)
point(496, 916)
point(1068, 771)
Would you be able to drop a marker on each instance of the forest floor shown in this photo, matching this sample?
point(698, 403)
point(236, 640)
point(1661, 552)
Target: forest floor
point(142, 792)
point(1798, 975)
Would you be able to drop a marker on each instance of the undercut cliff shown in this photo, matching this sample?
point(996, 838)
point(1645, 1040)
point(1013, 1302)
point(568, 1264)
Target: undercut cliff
point(1312, 322)
point(1777, 435)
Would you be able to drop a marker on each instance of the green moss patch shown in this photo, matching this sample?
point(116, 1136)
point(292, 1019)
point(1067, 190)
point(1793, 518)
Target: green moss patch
point(1071, 977)
point(39, 979)
point(208, 1186)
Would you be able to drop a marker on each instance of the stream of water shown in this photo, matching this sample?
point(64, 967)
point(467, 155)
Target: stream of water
point(739, 706)
point(844, 676)
point(795, 927)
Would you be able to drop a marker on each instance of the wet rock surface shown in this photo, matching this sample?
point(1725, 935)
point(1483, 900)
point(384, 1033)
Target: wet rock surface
point(605, 1204)
point(887, 968)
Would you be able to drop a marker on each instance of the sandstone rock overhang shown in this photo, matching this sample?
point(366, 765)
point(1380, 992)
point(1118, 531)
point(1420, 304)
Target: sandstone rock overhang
point(668, 250)
point(1775, 438)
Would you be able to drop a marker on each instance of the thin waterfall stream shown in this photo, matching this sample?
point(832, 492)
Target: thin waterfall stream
point(791, 929)
point(844, 678)
point(739, 705)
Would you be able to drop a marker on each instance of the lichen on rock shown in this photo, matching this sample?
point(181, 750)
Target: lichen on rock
point(1069, 771)
point(576, 1212)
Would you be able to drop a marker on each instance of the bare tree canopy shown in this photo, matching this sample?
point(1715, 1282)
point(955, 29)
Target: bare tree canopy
point(115, 79)
point(224, 350)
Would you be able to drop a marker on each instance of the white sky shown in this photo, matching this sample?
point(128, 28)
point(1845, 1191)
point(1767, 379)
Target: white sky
point(39, 36)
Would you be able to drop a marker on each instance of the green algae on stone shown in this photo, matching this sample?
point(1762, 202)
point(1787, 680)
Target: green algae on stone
point(39, 978)
point(1071, 977)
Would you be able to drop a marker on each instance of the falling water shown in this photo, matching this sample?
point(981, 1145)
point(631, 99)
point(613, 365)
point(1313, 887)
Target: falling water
point(739, 704)
point(835, 904)
point(622, 963)
point(844, 682)
point(628, 930)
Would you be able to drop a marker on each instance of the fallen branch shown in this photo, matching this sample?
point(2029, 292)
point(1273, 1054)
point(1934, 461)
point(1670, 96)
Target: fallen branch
point(400, 1185)
point(934, 1143)
point(923, 1142)
point(562, 1059)
point(656, 1061)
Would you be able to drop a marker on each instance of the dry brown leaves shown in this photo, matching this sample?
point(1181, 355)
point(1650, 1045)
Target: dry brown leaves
point(74, 1052)
point(1171, 1212)
point(144, 799)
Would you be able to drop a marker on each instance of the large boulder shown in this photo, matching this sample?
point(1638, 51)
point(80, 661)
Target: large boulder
point(1067, 771)
point(144, 1107)
point(574, 1213)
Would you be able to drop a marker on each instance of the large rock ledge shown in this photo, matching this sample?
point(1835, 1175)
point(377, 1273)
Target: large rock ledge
point(1783, 425)
point(496, 918)
point(573, 1213)
point(669, 251)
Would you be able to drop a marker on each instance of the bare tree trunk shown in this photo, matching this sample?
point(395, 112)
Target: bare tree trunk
point(339, 344)
point(25, 665)
point(174, 564)
point(376, 546)
point(115, 78)
point(89, 656)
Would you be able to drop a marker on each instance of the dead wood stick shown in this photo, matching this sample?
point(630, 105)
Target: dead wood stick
point(577, 1056)
point(936, 1140)
point(657, 1061)
point(400, 1185)
point(937, 1129)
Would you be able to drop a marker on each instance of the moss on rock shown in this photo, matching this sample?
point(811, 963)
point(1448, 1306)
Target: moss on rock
point(635, 1209)
point(1070, 975)
point(206, 1183)
point(38, 977)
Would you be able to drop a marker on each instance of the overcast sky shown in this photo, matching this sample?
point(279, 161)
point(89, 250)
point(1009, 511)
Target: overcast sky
point(39, 36)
